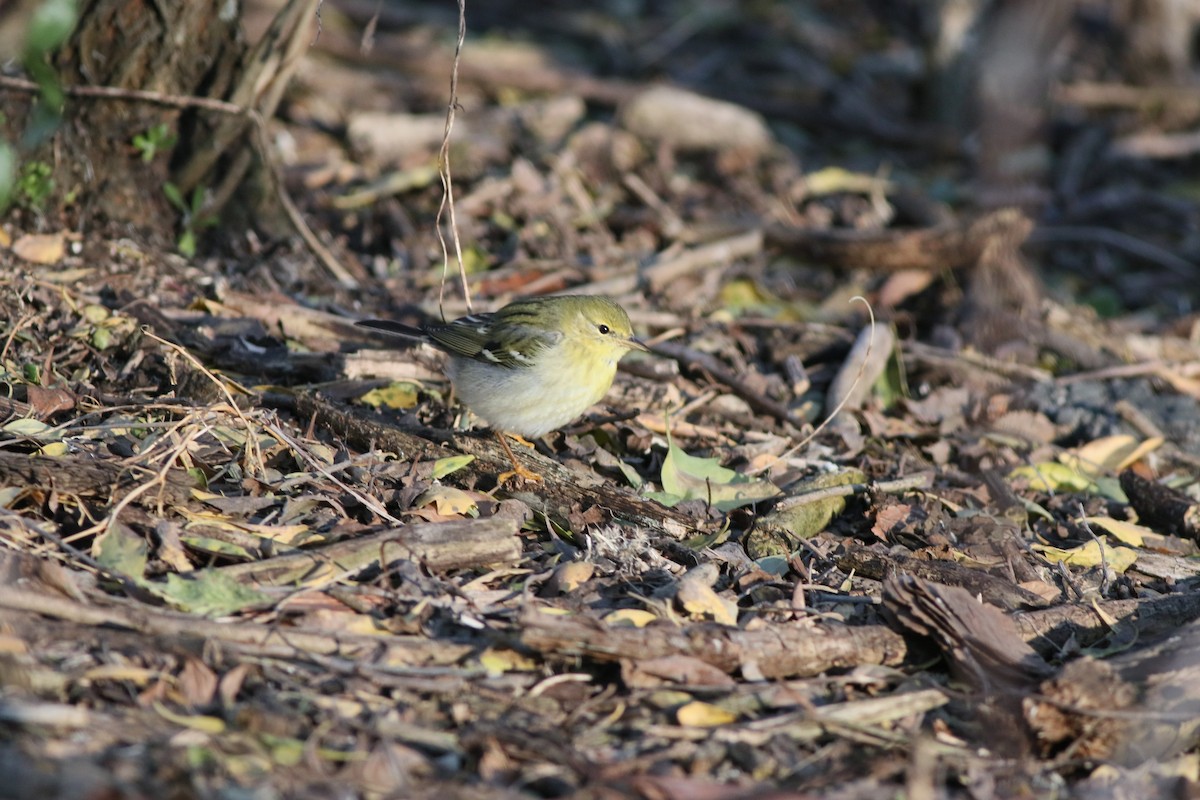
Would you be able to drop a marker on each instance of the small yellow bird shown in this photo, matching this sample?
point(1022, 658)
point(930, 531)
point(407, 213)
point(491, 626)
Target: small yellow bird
point(534, 365)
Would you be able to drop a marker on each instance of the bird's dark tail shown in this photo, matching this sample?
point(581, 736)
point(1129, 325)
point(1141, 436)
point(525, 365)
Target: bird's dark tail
point(394, 328)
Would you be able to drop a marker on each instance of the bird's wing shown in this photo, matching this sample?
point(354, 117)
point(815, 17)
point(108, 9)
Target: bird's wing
point(477, 337)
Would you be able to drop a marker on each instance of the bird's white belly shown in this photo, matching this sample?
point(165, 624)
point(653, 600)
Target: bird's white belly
point(546, 396)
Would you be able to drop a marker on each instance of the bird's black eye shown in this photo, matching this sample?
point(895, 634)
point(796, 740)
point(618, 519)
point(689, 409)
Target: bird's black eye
point(604, 329)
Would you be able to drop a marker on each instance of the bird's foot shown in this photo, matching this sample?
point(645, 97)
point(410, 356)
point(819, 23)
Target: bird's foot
point(517, 471)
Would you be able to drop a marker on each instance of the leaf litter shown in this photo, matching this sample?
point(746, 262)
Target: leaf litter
point(244, 553)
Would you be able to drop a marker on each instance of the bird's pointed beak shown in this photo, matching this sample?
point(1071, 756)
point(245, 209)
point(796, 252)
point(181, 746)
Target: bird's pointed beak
point(634, 344)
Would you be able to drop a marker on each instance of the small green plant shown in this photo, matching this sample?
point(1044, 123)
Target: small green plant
point(158, 138)
point(34, 185)
point(194, 218)
point(46, 29)
point(8, 174)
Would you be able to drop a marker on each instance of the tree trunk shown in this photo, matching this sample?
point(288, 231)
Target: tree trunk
point(115, 152)
point(191, 48)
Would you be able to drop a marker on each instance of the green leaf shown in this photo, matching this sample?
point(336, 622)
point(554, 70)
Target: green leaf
point(122, 550)
point(774, 565)
point(175, 196)
point(209, 592)
point(50, 25)
point(1051, 476)
point(25, 426)
point(445, 466)
point(31, 428)
point(197, 201)
point(101, 338)
point(211, 546)
point(187, 243)
point(688, 477)
point(706, 540)
point(800, 519)
point(630, 474)
point(95, 313)
point(8, 173)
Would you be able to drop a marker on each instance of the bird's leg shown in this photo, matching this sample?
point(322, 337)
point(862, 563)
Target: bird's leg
point(517, 470)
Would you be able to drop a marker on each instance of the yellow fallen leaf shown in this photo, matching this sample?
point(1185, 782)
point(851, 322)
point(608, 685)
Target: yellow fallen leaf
point(139, 676)
point(195, 722)
point(499, 661)
point(701, 601)
point(836, 180)
point(1109, 454)
point(1139, 452)
point(1050, 476)
point(364, 624)
point(570, 576)
point(399, 396)
point(629, 617)
point(1128, 532)
point(1090, 554)
point(445, 466)
point(447, 500)
point(697, 714)
point(1099, 455)
point(283, 534)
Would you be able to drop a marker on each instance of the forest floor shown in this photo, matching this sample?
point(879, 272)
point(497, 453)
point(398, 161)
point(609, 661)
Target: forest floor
point(252, 551)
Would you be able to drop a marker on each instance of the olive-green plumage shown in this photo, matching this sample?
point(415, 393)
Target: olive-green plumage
point(534, 365)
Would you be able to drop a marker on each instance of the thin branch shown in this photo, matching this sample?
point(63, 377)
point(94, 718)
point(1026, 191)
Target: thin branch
point(447, 203)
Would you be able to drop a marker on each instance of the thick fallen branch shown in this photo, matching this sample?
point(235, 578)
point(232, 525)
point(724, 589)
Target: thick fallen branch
point(995, 590)
point(778, 651)
point(277, 640)
point(109, 480)
point(562, 490)
point(437, 546)
point(1132, 708)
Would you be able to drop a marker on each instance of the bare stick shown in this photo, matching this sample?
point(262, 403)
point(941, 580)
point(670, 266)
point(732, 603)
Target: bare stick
point(447, 203)
point(845, 399)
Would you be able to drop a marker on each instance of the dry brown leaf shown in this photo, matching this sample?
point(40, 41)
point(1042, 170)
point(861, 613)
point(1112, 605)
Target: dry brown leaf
point(570, 576)
point(888, 518)
point(197, 683)
point(41, 248)
point(652, 673)
point(1032, 426)
point(231, 683)
point(903, 284)
point(47, 402)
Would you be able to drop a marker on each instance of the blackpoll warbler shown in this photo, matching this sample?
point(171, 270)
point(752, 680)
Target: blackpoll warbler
point(534, 365)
